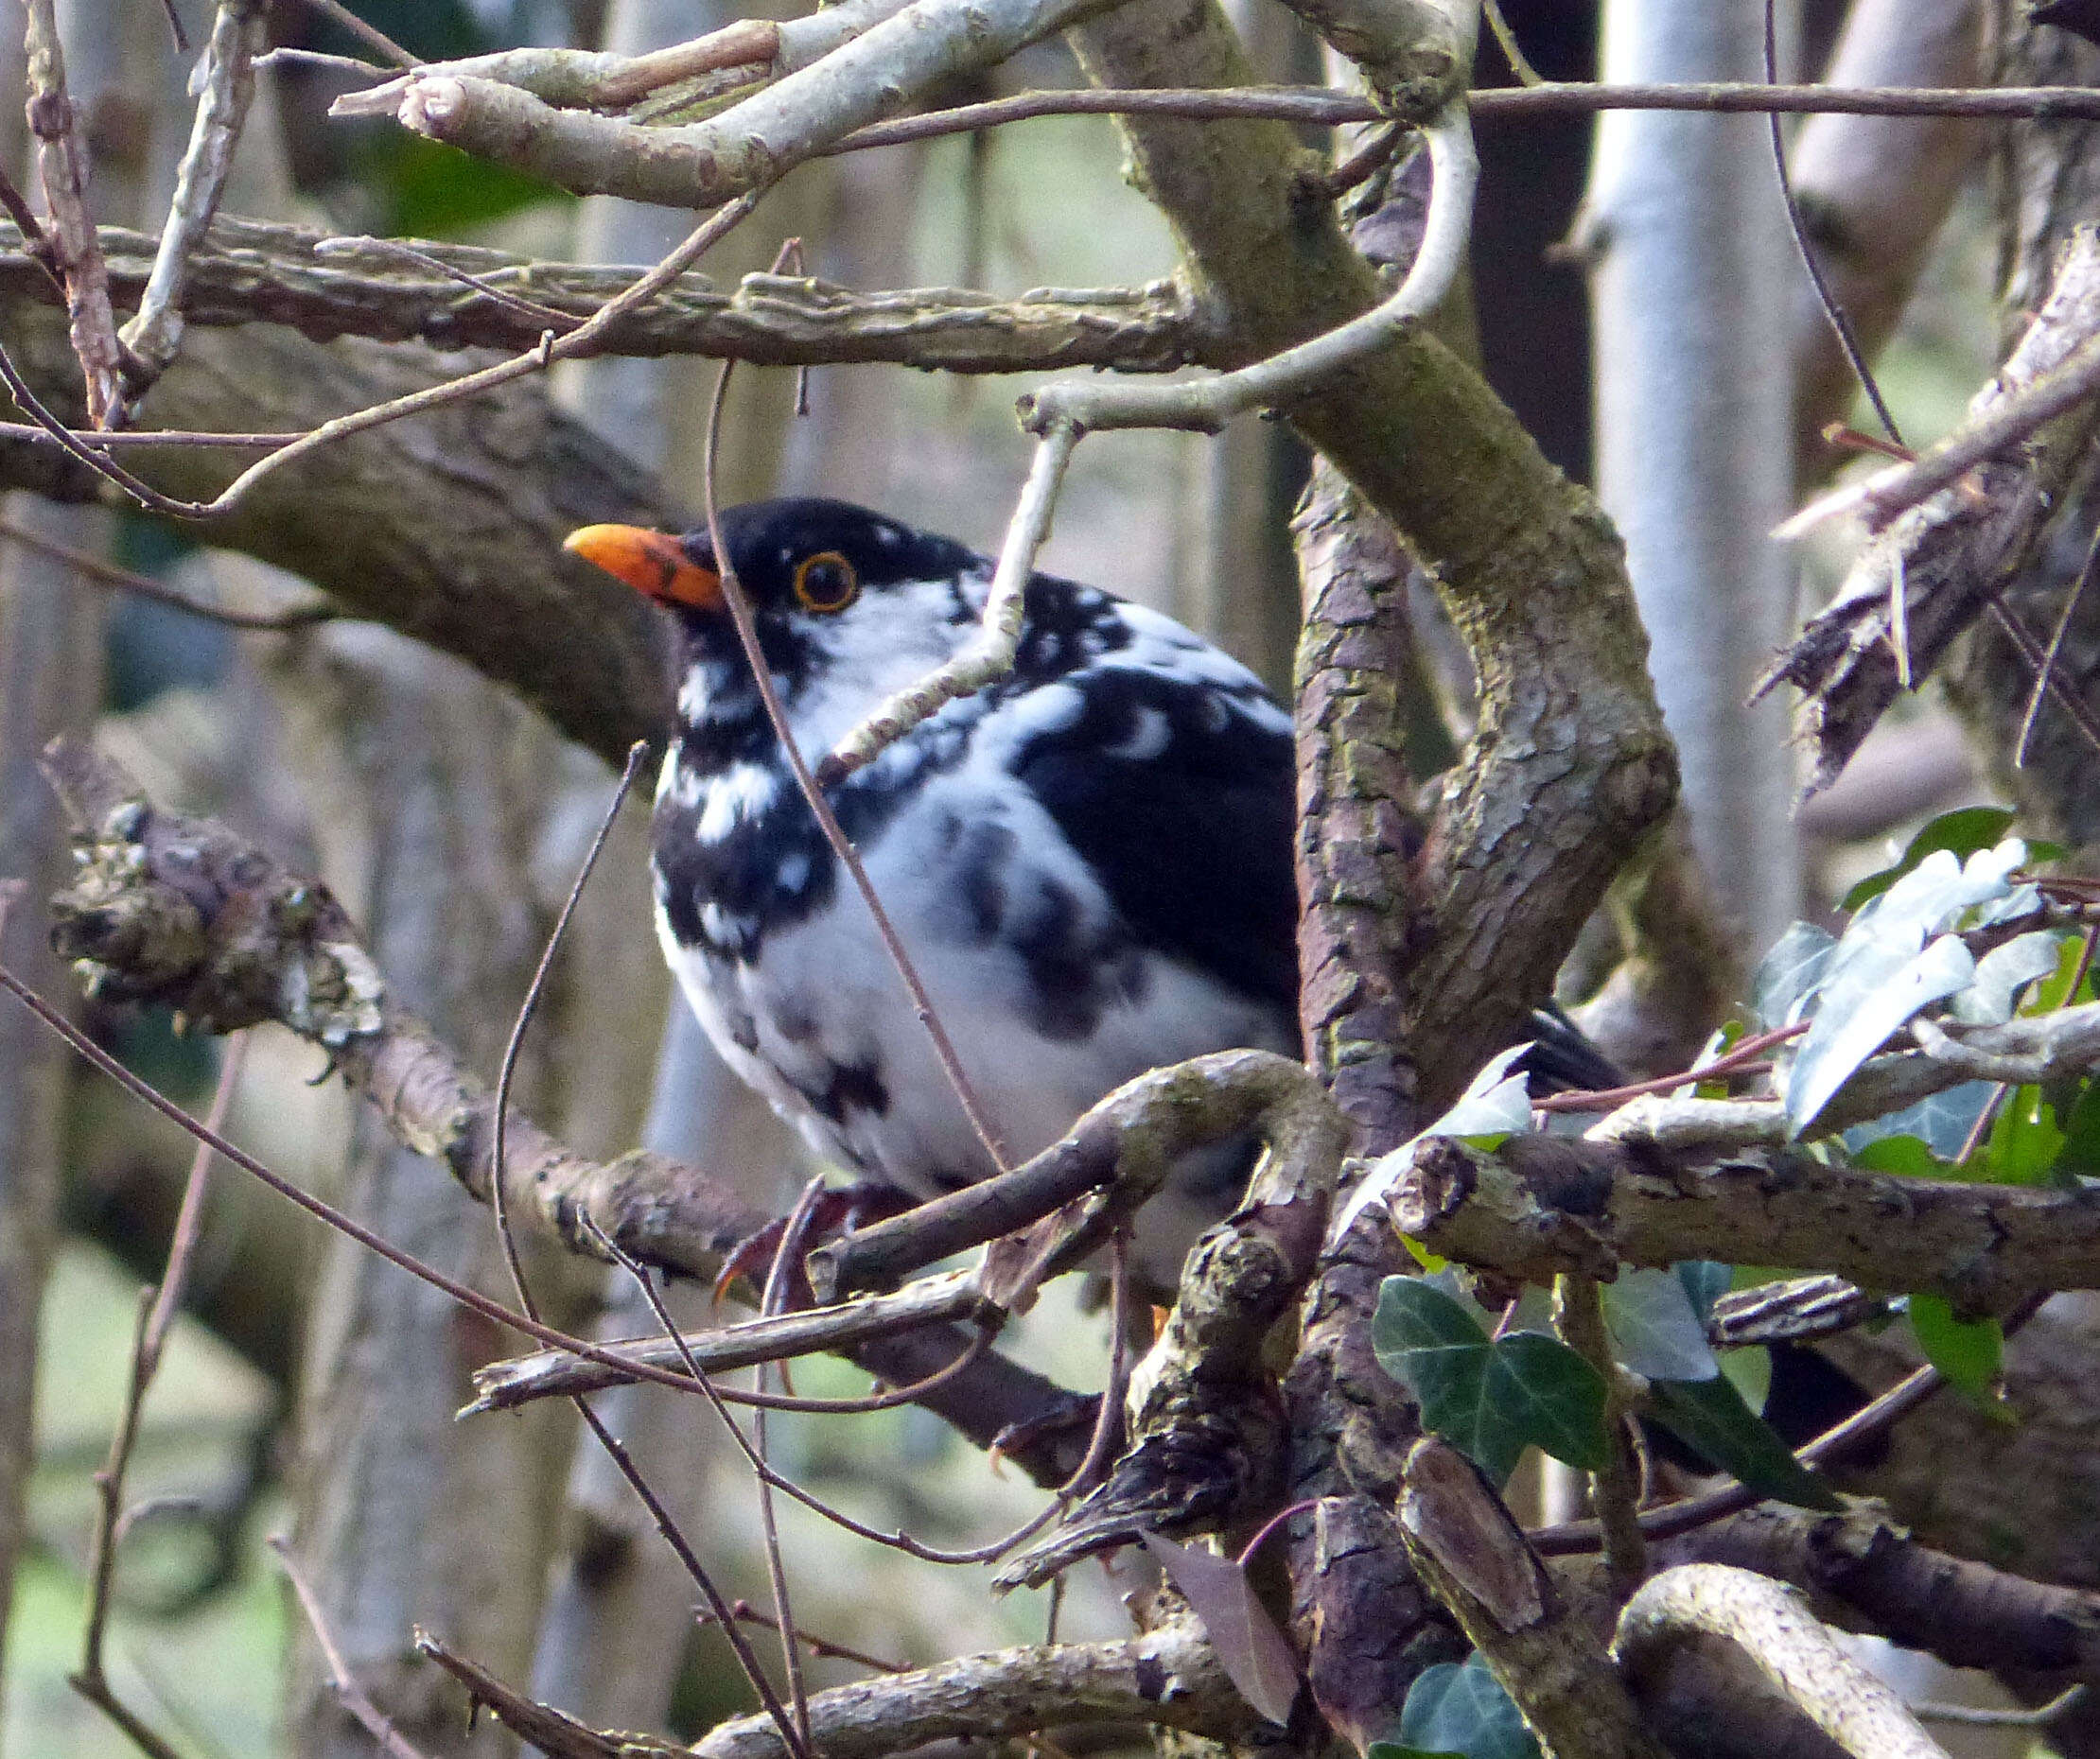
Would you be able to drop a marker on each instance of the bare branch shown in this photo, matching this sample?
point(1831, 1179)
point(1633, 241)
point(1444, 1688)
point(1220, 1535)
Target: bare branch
point(1541, 1648)
point(389, 1739)
point(229, 87)
point(458, 296)
point(1769, 1622)
point(73, 250)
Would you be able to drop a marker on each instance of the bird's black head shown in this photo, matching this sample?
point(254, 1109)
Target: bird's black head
point(794, 559)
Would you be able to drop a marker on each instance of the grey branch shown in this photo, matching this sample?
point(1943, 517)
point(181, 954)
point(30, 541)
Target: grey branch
point(155, 332)
point(244, 271)
point(1771, 1625)
point(506, 1384)
point(1169, 1676)
point(754, 143)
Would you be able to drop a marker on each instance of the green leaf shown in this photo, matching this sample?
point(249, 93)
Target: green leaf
point(1655, 1328)
point(1789, 974)
point(2024, 1142)
point(1904, 1155)
point(2080, 1156)
point(1706, 1281)
point(2004, 972)
point(1961, 832)
point(1968, 1353)
point(1461, 1708)
point(1941, 1121)
point(1712, 1417)
point(1749, 1371)
point(435, 191)
point(1863, 1004)
point(1554, 1399)
point(1490, 1399)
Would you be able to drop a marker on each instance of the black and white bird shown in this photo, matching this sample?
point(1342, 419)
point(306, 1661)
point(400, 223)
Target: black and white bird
point(1089, 861)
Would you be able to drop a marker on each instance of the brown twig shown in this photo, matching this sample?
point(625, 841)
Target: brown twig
point(2067, 697)
point(144, 586)
point(75, 250)
point(131, 439)
point(157, 1311)
point(2078, 587)
point(354, 1697)
point(561, 323)
point(369, 34)
point(820, 808)
point(817, 1646)
point(1825, 295)
point(1741, 1060)
point(794, 1734)
point(39, 246)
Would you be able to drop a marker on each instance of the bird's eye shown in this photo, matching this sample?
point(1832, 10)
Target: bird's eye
point(826, 581)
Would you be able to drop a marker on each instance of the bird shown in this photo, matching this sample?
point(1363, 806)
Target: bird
point(1089, 860)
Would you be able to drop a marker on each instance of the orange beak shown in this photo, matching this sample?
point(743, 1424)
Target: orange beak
point(649, 562)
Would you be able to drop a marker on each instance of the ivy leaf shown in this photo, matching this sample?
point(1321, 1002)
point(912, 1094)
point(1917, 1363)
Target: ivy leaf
point(1706, 1281)
point(1460, 1708)
point(1749, 1371)
point(2080, 1156)
point(2002, 972)
point(1489, 1398)
point(1961, 832)
point(1712, 1417)
point(1789, 974)
point(1657, 1330)
point(1941, 1121)
point(1968, 1353)
point(1253, 1653)
point(1867, 1001)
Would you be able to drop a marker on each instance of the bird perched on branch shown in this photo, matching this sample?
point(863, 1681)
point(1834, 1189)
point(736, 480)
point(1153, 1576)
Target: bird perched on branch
point(1088, 862)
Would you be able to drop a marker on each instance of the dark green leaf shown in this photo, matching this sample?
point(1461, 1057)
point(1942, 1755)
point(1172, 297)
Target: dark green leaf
point(1551, 1398)
point(1706, 1281)
point(1963, 831)
point(1490, 1400)
point(1461, 1708)
point(1712, 1417)
point(2081, 1143)
point(1656, 1331)
point(1970, 1352)
point(1903, 1155)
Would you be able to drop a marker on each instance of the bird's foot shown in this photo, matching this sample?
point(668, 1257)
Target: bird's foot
point(837, 1210)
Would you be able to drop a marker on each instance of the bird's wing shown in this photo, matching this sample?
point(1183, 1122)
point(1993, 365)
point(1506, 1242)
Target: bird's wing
point(1176, 789)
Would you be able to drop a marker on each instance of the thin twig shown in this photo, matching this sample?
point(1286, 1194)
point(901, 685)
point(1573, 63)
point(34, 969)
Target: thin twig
point(469, 1297)
point(822, 1647)
point(834, 835)
point(1325, 106)
point(157, 1311)
point(33, 239)
point(140, 438)
point(1740, 1061)
point(990, 654)
point(1505, 39)
point(773, 1301)
point(1978, 1716)
point(355, 1699)
point(369, 34)
point(2067, 698)
point(109, 574)
point(1825, 295)
point(2085, 571)
point(792, 1734)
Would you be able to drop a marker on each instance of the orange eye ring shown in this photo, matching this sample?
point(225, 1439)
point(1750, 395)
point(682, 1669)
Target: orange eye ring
point(826, 581)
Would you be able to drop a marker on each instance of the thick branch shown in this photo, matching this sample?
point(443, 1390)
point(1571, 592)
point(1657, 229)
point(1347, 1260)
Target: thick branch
point(1541, 1205)
point(1795, 1653)
point(246, 272)
point(1864, 1571)
point(1169, 1677)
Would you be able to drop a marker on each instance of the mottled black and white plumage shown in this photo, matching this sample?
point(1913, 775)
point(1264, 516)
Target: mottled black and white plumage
point(1090, 861)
